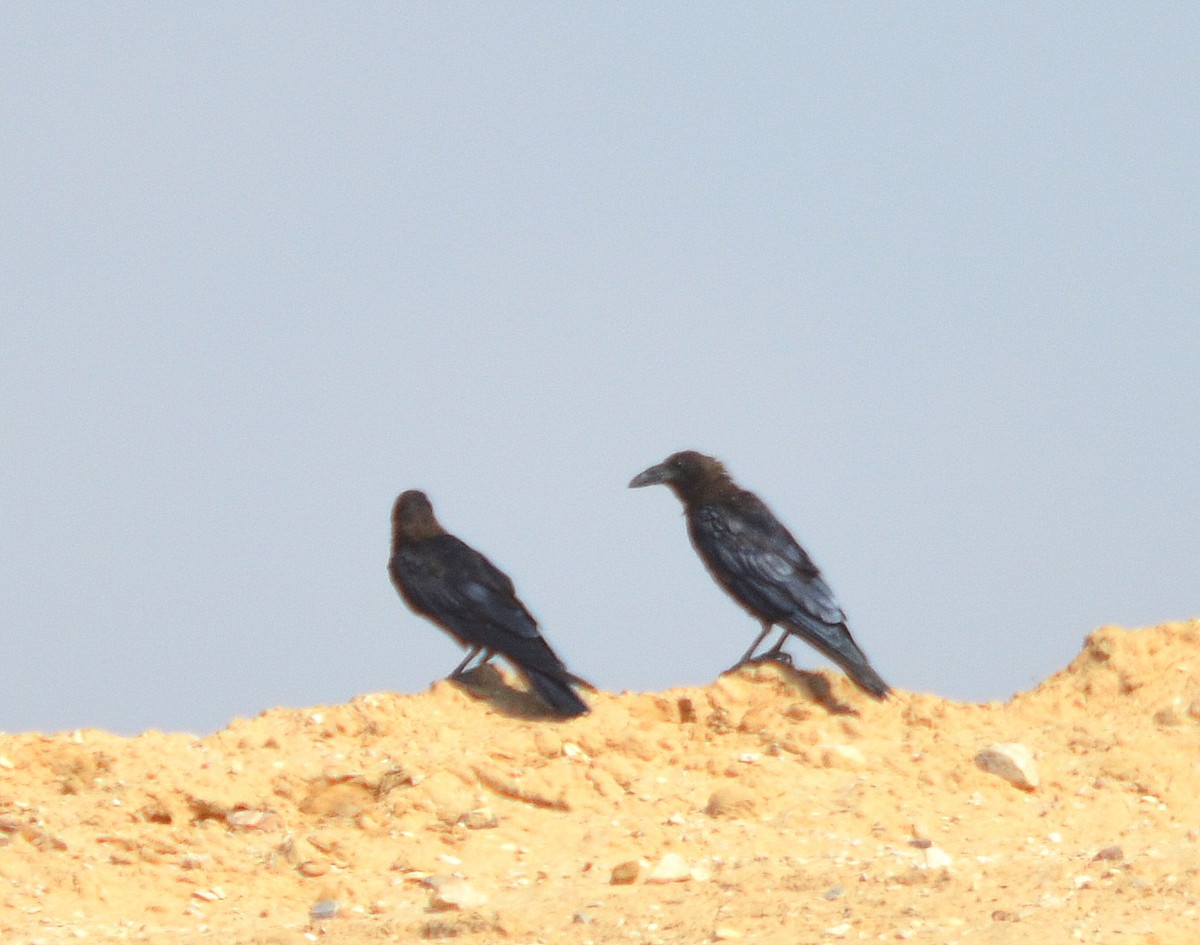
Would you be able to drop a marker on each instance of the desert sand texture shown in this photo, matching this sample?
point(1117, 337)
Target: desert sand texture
point(772, 806)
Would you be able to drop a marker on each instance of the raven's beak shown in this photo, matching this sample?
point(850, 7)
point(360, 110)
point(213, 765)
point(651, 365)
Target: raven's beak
point(650, 477)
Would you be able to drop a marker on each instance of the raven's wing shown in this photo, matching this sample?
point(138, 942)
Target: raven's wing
point(449, 581)
point(756, 559)
point(458, 588)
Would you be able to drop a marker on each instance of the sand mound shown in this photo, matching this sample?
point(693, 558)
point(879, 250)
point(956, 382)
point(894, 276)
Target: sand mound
point(770, 806)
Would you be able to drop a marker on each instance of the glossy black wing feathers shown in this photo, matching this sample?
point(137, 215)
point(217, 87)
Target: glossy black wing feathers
point(756, 560)
point(461, 591)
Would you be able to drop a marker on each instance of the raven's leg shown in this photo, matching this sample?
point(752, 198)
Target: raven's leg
point(485, 657)
point(461, 667)
point(766, 628)
point(776, 652)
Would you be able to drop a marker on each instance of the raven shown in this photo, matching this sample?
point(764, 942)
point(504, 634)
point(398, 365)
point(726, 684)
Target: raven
point(749, 552)
point(448, 581)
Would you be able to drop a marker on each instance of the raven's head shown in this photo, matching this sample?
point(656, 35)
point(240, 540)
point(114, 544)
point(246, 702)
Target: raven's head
point(689, 474)
point(413, 518)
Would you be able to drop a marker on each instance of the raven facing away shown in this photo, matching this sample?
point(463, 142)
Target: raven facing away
point(448, 581)
point(750, 553)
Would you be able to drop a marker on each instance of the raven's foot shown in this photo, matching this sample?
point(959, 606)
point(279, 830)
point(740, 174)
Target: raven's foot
point(771, 656)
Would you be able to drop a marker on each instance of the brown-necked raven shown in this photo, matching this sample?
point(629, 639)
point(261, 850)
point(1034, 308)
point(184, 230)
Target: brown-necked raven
point(448, 581)
point(756, 560)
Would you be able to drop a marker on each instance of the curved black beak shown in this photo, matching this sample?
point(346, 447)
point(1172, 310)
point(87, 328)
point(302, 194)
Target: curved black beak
point(651, 477)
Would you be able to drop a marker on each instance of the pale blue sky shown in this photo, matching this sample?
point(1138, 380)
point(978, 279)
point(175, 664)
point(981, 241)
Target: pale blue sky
point(926, 276)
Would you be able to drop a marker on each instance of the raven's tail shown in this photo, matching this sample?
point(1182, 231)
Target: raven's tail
point(556, 693)
point(867, 679)
point(836, 643)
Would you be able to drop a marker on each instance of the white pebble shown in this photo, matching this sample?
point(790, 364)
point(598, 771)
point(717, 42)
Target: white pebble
point(1011, 761)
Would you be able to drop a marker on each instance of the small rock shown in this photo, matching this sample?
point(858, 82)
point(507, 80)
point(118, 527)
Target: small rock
point(393, 778)
point(671, 868)
point(723, 933)
point(481, 818)
point(296, 850)
point(755, 720)
point(625, 873)
point(798, 711)
point(247, 819)
point(1011, 761)
point(936, 858)
point(548, 744)
point(1113, 852)
point(1169, 716)
point(206, 810)
point(842, 756)
point(325, 909)
point(466, 924)
point(456, 894)
point(582, 918)
point(832, 893)
point(313, 868)
point(209, 895)
point(731, 802)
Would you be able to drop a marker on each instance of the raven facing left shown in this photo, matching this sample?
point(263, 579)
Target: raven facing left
point(448, 581)
point(755, 559)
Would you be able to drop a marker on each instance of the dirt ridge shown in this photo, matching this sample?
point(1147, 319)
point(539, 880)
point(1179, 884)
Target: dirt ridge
point(769, 806)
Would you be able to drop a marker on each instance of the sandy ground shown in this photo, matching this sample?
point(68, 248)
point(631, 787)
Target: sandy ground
point(772, 806)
